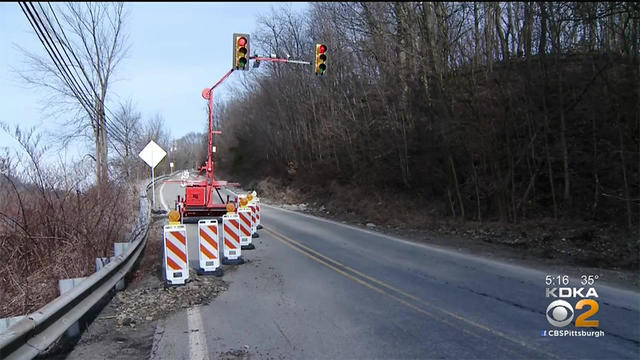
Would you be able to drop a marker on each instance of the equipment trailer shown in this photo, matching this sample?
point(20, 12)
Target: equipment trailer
point(199, 200)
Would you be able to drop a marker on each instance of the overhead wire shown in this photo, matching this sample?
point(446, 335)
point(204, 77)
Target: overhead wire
point(65, 75)
point(112, 128)
point(65, 45)
point(36, 28)
point(72, 82)
point(75, 85)
point(119, 133)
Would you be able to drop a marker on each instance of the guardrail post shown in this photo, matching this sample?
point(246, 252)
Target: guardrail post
point(7, 322)
point(64, 286)
point(119, 249)
point(103, 261)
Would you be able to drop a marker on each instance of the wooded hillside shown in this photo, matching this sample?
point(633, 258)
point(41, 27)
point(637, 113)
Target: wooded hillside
point(495, 111)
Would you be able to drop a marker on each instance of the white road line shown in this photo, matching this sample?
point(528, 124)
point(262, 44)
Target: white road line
point(197, 339)
point(162, 197)
point(157, 337)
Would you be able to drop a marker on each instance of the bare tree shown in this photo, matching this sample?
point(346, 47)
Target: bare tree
point(479, 106)
point(189, 151)
point(85, 43)
point(155, 129)
point(127, 119)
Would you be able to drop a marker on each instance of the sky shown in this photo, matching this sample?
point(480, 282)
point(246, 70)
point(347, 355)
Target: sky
point(176, 50)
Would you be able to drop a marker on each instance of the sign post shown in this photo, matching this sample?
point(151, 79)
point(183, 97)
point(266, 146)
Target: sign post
point(152, 154)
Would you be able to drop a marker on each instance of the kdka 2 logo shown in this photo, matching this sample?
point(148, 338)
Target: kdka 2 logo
point(561, 313)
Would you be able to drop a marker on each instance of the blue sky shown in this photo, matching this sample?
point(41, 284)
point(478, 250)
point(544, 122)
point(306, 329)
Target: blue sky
point(177, 49)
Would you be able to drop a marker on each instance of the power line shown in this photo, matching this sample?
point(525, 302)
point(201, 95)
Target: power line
point(39, 27)
point(71, 81)
point(64, 75)
point(112, 128)
point(76, 86)
point(36, 28)
point(67, 43)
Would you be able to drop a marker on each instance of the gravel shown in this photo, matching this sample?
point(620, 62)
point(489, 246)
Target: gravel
point(148, 304)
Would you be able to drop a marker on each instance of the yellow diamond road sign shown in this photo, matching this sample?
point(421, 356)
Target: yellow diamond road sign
point(152, 154)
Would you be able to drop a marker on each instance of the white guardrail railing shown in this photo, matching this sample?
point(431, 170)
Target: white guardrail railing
point(34, 334)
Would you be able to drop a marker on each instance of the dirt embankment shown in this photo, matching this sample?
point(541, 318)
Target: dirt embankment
point(576, 247)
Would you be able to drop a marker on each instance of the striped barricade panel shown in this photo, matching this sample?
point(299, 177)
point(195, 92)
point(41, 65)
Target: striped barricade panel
point(176, 256)
point(231, 236)
point(254, 226)
point(257, 211)
point(245, 225)
point(209, 253)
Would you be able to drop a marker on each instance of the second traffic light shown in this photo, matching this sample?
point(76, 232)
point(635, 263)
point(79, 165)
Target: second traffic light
point(321, 58)
point(241, 51)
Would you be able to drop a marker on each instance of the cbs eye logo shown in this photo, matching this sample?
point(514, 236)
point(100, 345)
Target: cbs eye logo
point(560, 313)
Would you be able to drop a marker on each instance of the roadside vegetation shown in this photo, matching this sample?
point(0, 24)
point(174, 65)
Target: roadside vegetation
point(58, 214)
point(54, 222)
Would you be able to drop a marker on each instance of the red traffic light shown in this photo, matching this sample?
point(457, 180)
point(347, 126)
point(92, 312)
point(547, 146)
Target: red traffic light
point(322, 49)
point(242, 41)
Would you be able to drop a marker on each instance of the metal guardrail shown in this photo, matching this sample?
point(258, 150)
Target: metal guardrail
point(34, 334)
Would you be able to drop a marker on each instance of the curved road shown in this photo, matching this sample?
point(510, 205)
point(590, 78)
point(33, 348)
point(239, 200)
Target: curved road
point(317, 289)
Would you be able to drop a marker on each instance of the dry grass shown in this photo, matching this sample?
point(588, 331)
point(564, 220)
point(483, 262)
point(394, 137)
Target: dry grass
point(54, 222)
point(58, 237)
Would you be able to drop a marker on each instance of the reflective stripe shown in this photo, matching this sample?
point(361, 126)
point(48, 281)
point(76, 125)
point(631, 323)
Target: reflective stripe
point(229, 230)
point(207, 237)
point(178, 235)
point(173, 265)
point(245, 223)
point(173, 239)
point(206, 252)
point(181, 255)
point(229, 245)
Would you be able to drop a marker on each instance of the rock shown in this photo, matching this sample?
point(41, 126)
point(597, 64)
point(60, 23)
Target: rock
point(371, 225)
point(145, 304)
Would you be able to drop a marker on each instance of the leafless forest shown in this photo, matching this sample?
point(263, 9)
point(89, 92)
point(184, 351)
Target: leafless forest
point(488, 111)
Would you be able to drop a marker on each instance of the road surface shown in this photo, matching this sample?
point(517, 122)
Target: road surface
point(317, 289)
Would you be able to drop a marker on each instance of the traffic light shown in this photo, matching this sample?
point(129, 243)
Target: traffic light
point(321, 58)
point(241, 51)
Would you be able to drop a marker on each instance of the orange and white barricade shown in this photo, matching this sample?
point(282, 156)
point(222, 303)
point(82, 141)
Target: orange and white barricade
point(244, 213)
point(176, 256)
point(231, 239)
point(256, 201)
point(254, 225)
point(209, 249)
point(258, 224)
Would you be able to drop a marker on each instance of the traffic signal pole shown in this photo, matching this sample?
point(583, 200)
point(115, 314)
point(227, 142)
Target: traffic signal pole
point(192, 204)
point(207, 94)
point(256, 58)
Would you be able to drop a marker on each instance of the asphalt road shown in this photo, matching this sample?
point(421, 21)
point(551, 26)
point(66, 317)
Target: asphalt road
point(317, 289)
